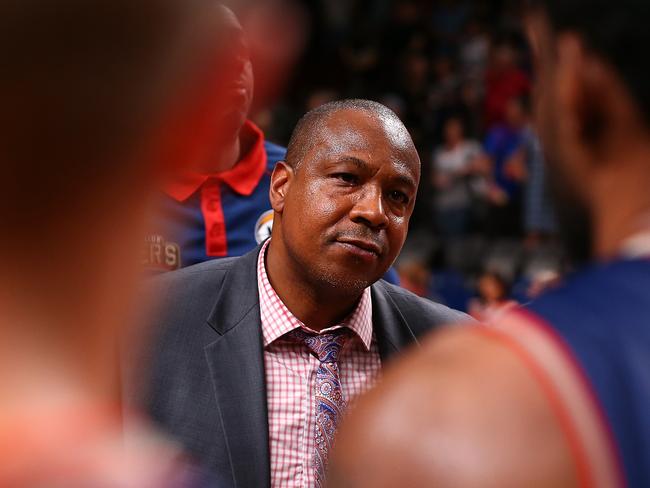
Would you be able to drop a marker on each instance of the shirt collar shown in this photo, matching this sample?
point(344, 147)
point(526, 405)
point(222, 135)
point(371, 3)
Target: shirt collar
point(277, 320)
point(243, 178)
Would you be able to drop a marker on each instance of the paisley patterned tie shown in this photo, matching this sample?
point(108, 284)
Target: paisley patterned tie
point(329, 397)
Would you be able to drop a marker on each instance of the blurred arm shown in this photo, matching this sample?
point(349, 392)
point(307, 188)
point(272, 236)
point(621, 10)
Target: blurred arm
point(463, 411)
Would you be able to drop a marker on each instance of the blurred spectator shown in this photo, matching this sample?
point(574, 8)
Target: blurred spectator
point(539, 219)
point(445, 85)
point(474, 51)
point(415, 276)
point(527, 166)
point(503, 82)
point(470, 105)
point(447, 21)
point(501, 143)
point(414, 85)
point(493, 293)
point(459, 179)
point(416, 76)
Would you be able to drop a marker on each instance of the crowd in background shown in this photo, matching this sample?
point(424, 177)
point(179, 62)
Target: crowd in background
point(458, 73)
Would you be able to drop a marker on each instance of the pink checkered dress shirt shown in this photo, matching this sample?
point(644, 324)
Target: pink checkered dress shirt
point(290, 379)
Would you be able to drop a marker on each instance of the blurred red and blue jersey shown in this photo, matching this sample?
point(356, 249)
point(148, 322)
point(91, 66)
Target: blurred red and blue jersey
point(588, 343)
point(202, 217)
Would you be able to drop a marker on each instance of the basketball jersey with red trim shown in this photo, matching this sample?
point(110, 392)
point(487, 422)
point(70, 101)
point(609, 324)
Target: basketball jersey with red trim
point(601, 316)
point(207, 217)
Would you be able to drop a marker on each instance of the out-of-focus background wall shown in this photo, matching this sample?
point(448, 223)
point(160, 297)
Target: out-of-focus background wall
point(458, 73)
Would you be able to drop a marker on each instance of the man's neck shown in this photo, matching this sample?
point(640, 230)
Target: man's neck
point(316, 306)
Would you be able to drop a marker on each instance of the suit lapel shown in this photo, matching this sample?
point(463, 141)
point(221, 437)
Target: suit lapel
point(390, 326)
point(236, 365)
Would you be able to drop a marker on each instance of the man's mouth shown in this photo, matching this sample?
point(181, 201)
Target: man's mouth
point(361, 245)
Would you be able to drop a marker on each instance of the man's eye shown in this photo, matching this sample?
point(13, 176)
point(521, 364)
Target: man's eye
point(398, 196)
point(348, 178)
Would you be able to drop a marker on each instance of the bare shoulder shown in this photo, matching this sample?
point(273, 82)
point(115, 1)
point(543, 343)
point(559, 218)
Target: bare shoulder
point(464, 410)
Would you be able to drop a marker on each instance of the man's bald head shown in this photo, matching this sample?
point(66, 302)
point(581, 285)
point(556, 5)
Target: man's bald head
point(351, 172)
point(313, 126)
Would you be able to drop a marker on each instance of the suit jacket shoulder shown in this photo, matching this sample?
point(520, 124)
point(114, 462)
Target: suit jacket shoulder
point(420, 314)
point(183, 299)
point(207, 273)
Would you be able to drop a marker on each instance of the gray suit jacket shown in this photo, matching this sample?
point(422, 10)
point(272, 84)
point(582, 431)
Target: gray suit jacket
point(204, 382)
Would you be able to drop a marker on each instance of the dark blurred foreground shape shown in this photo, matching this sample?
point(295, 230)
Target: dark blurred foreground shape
point(99, 99)
point(555, 393)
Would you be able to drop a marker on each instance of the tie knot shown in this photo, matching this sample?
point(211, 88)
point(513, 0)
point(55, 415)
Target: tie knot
point(326, 347)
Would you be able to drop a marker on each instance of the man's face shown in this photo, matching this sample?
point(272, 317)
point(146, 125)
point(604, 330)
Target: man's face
point(347, 206)
point(236, 79)
point(565, 176)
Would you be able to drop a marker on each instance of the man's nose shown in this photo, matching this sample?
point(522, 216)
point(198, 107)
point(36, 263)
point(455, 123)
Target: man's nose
point(369, 209)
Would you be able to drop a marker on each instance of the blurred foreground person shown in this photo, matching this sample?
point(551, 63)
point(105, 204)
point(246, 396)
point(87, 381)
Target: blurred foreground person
point(253, 359)
point(556, 394)
point(218, 205)
point(493, 297)
point(90, 95)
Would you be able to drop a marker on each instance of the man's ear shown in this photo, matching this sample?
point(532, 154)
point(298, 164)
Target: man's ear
point(589, 93)
point(280, 182)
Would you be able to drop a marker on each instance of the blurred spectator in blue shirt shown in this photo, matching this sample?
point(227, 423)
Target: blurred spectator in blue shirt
point(527, 166)
point(501, 144)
